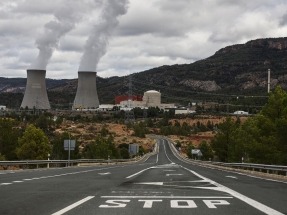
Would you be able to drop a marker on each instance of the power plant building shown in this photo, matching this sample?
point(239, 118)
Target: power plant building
point(151, 98)
point(36, 93)
point(86, 95)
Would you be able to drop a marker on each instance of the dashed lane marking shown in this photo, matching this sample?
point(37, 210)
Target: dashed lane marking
point(5, 183)
point(17, 181)
point(229, 176)
point(105, 173)
point(173, 175)
point(53, 176)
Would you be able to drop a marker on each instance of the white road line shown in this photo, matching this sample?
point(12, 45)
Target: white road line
point(105, 173)
point(172, 174)
point(151, 183)
point(259, 206)
point(70, 207)
point(166, 153)
point(229, 176)
point(167, 197)
point(139, 172)
point(53, 176)
point(156, 159)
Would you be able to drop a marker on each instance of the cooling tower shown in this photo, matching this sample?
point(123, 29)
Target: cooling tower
point(86, 96)
point(36, 93)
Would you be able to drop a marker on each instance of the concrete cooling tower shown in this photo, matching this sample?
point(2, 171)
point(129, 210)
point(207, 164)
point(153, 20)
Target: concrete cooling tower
point(36, 93)
point(86, 96)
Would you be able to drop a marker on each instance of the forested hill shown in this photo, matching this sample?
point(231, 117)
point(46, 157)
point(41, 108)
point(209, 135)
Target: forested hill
point(237, 69)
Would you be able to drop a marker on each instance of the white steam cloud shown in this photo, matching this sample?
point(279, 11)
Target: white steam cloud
point(65, 18)
point(97, 42)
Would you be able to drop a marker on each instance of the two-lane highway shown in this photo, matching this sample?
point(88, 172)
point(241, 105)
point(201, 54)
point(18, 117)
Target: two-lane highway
point(162, 183)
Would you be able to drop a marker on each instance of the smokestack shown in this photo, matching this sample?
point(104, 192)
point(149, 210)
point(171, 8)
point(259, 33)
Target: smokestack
point(36, 93)
point(86, 96)
point(268, 82)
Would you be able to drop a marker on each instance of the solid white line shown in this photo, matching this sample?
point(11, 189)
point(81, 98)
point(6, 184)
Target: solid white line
point(259, 206)
point(139, 172)
point(166, 153)
point(156, 159)
point(70, 207)
point(167, 197)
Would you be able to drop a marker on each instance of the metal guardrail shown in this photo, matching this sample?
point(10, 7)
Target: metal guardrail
point(275, 169)
point(270, 169)
point(48, 163)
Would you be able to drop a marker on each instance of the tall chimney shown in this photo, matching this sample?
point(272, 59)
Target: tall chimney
point(86, 96)
point(36, 93)
point(268, 82)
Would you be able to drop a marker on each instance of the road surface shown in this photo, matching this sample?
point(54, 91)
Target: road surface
point(162, 183)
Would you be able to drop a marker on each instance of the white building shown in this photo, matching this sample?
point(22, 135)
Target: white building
point(2, 107)
point(240, 112)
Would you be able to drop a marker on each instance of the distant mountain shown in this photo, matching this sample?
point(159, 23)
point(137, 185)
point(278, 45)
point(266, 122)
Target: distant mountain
point(237, 69)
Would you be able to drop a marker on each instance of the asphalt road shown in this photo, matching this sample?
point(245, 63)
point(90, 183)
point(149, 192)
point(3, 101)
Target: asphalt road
point(160, 184)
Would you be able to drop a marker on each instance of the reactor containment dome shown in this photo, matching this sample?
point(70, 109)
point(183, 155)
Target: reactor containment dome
point(152, 98)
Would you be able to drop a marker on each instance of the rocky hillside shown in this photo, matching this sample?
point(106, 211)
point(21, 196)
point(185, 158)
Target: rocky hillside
point(237, 69)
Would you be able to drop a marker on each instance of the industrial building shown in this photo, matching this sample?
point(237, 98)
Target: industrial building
point(36, 93)
point(151, 98)
point(119, 99)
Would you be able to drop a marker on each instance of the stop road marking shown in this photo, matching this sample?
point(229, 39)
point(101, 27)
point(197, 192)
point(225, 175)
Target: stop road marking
point(178, 203)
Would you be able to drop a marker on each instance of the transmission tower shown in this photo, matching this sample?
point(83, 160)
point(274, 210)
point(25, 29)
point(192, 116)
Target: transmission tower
point(130, 116)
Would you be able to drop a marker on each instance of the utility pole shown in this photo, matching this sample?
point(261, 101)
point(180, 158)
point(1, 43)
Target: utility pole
point(130, 116)
point(268, 82)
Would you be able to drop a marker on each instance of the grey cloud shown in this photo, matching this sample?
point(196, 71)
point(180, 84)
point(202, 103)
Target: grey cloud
point(150, 34)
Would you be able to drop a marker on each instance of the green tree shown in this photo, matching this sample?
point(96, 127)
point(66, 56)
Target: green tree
point(58, 151)
point(8, 138)
point(33, 145)
point(2, 157)
point(277, 104)
point(140, 130)
point(124, 151)
point(206, 150)
point(223, 140)
point(101, 148)
point(261, 139)
point(189, 147)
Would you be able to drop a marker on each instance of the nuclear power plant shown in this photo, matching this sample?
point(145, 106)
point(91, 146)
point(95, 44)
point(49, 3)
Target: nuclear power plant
point(86, 96)
point(36, 93)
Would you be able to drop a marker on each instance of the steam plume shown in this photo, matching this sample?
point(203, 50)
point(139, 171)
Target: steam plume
point(97, 42)
point(65, 18)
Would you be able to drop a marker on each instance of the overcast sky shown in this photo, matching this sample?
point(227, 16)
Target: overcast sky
point(151, 33)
